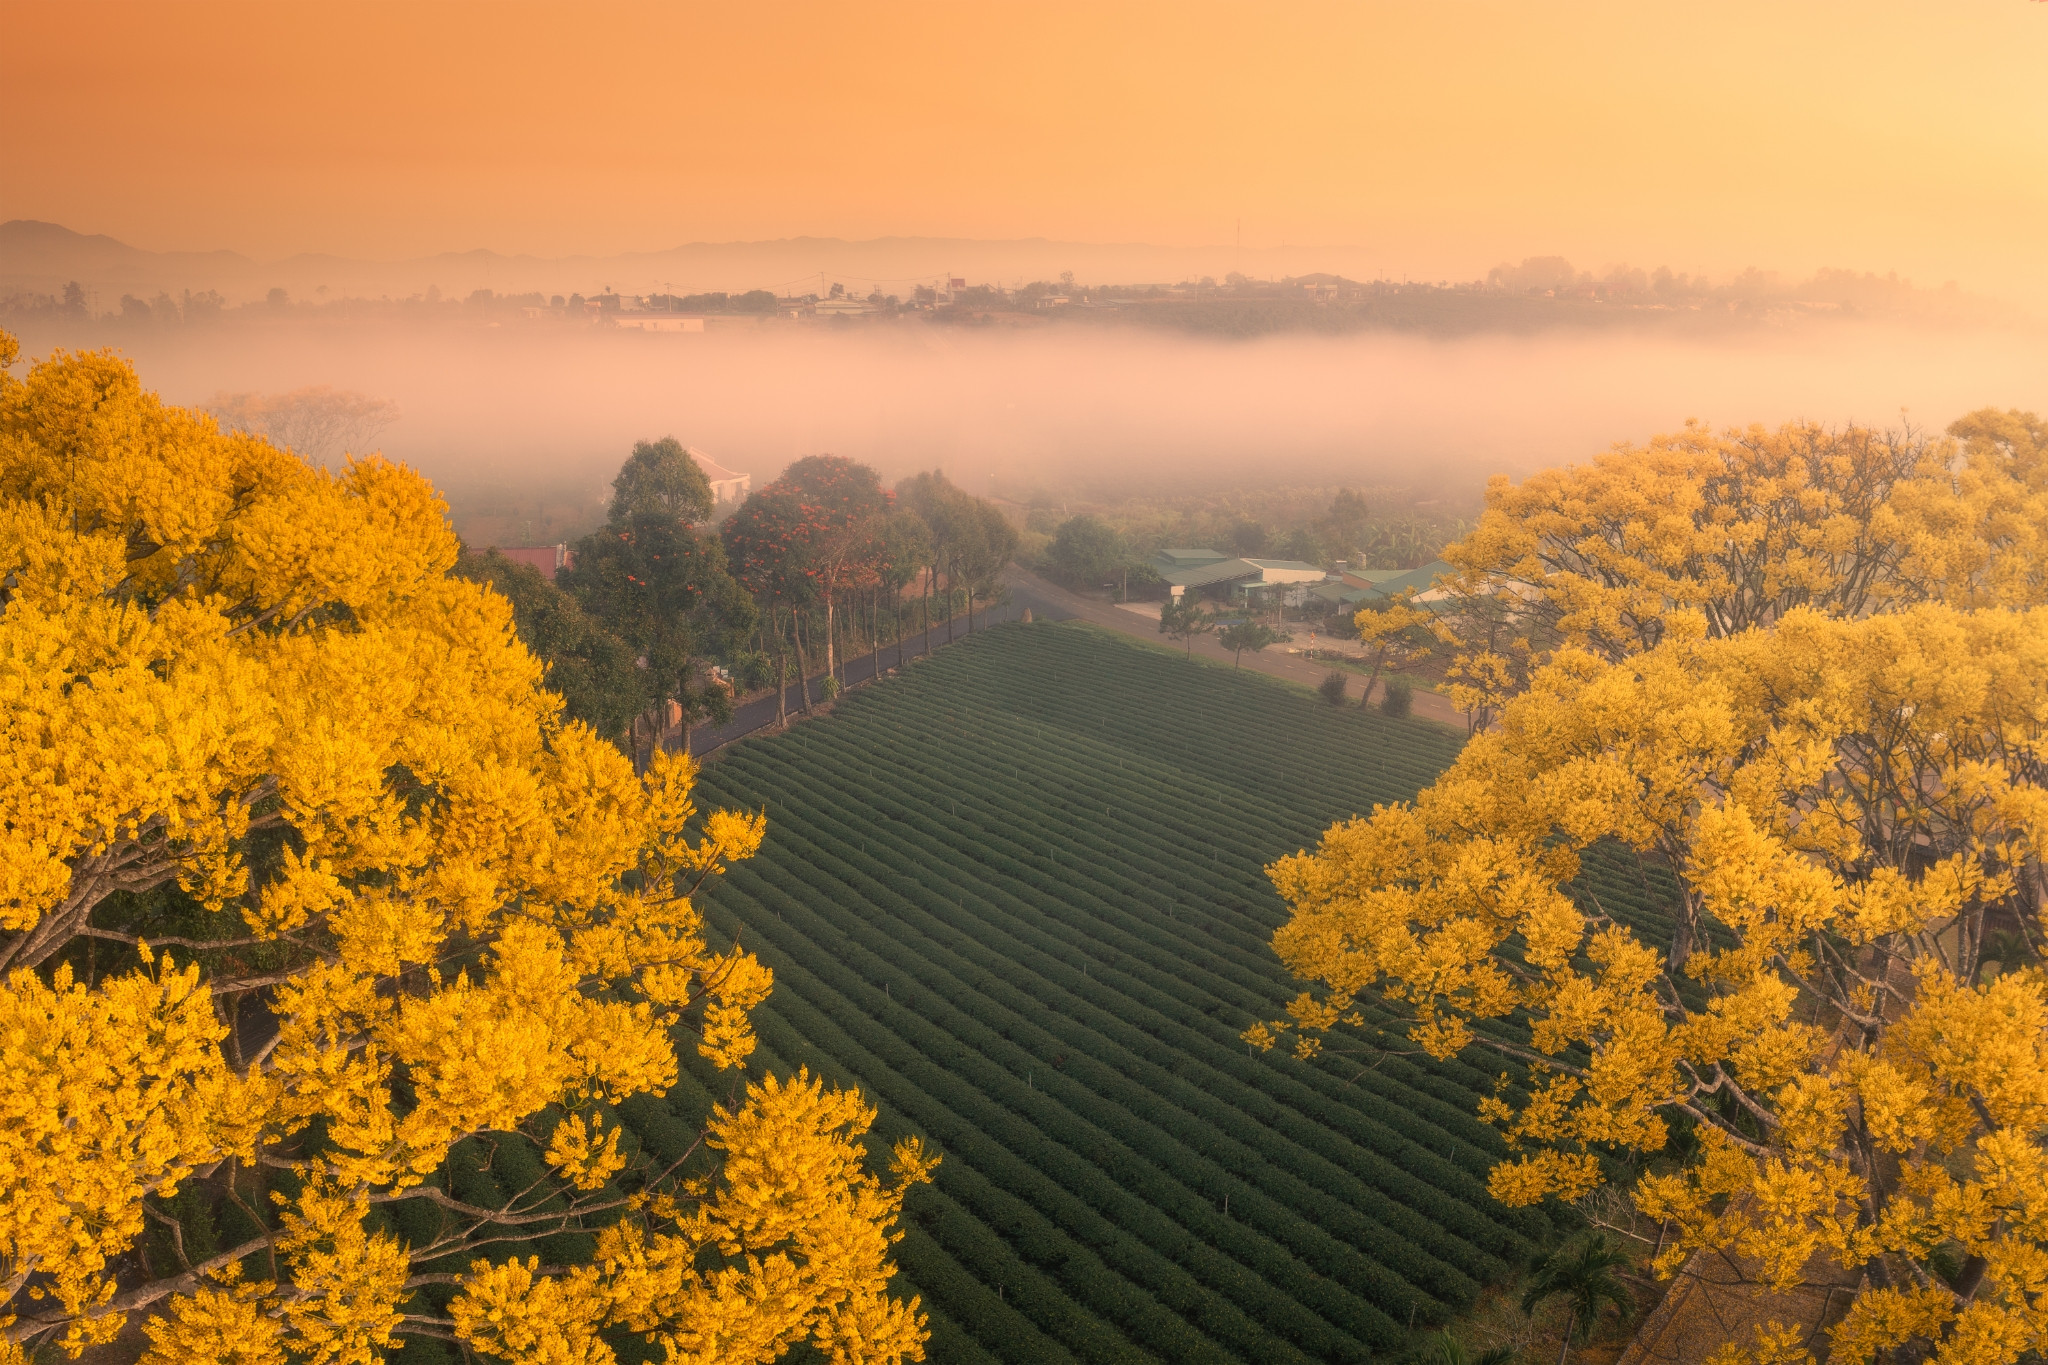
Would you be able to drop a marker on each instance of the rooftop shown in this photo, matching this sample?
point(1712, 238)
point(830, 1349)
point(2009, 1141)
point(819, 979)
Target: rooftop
point(1200, 575)
point(713, 470)
point(1420, 580)
point(1267, 571)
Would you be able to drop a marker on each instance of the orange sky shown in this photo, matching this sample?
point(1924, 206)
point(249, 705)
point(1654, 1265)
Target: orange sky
point(1444, 135)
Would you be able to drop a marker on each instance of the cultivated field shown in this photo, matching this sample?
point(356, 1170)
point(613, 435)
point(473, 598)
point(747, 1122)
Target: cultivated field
point(1016, 896)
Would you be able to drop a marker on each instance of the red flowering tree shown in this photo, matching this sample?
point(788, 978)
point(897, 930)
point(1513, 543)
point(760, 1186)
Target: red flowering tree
point(814, 535)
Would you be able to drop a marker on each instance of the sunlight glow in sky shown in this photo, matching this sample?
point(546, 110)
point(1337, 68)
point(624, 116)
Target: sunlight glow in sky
point(1443, 136)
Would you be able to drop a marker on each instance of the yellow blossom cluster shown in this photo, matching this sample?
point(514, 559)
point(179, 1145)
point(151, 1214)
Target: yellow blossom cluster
point(1728, 533)
point(797, 1224)
point(305, 881)
point(1844, 818)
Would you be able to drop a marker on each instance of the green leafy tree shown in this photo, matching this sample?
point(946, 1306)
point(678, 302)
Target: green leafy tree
point(651, 580)
point(764, 540)
point(1302, 544)
point(1345, 526)
point(661, 479)
point(1332, 686)
point(589, 666)
point(1248, 537)
point(1407, 544)
point(1583, 1274)
point(1086, 551)
point(908, 555)
point(971, 539)
point(936, 502)
point(989, 549)
point(1246, 635)
point(1183, 619)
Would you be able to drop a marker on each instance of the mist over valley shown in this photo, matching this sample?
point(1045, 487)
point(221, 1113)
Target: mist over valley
point(501, 418)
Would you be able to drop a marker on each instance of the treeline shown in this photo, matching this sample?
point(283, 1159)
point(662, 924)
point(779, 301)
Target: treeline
point(75, 302)
point(1536, 293)
point(659, 622)
point(1117, 542)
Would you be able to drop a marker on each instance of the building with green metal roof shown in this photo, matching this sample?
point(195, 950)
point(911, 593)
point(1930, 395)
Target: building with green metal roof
point(1247, 575)
point(1181, 559)
point(1356, 587)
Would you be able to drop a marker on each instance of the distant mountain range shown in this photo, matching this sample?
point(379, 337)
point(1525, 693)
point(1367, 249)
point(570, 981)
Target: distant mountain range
point(43, 257)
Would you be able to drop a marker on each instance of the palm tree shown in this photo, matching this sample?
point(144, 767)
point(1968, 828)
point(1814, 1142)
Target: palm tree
point(1584, 1276)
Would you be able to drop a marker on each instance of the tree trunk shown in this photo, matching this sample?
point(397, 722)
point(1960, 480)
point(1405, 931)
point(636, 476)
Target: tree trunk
point(1970, 1278)
point(931, 574)
point(949, 605)
point(781, 671)
point(1571, 1320)
point(1379, 662)
point(1681, 946)
point(803, 667)
point(830, 624)
point(1681, 935)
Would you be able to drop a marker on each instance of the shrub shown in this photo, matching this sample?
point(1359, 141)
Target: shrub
point(1332, 687)
point(1399, 697)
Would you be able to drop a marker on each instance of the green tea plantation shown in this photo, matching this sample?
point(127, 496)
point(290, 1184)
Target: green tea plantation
point(1015, 894)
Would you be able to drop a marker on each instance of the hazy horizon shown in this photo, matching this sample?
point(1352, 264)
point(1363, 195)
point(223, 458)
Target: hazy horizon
point(1889, 136)
point(888, 141)
point(1082, 413)
point(44, 258)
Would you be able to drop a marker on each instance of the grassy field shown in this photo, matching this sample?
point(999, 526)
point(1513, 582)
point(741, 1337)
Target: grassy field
point(1016, 896)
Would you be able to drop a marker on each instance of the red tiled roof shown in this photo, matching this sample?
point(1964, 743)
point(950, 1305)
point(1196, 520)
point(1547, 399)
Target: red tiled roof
point(546, 558)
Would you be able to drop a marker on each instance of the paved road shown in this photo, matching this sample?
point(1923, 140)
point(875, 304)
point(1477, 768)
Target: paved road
point(1049, 601)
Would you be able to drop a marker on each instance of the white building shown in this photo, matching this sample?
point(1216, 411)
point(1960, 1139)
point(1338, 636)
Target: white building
point(1246, 575)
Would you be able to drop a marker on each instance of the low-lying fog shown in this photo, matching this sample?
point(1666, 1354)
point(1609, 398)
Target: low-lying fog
point(1107, 411)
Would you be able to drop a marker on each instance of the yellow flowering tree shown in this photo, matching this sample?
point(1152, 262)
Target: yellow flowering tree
point(1857, 1052)
point(1740, 528)
point(1399, 634)
point(306, 884)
